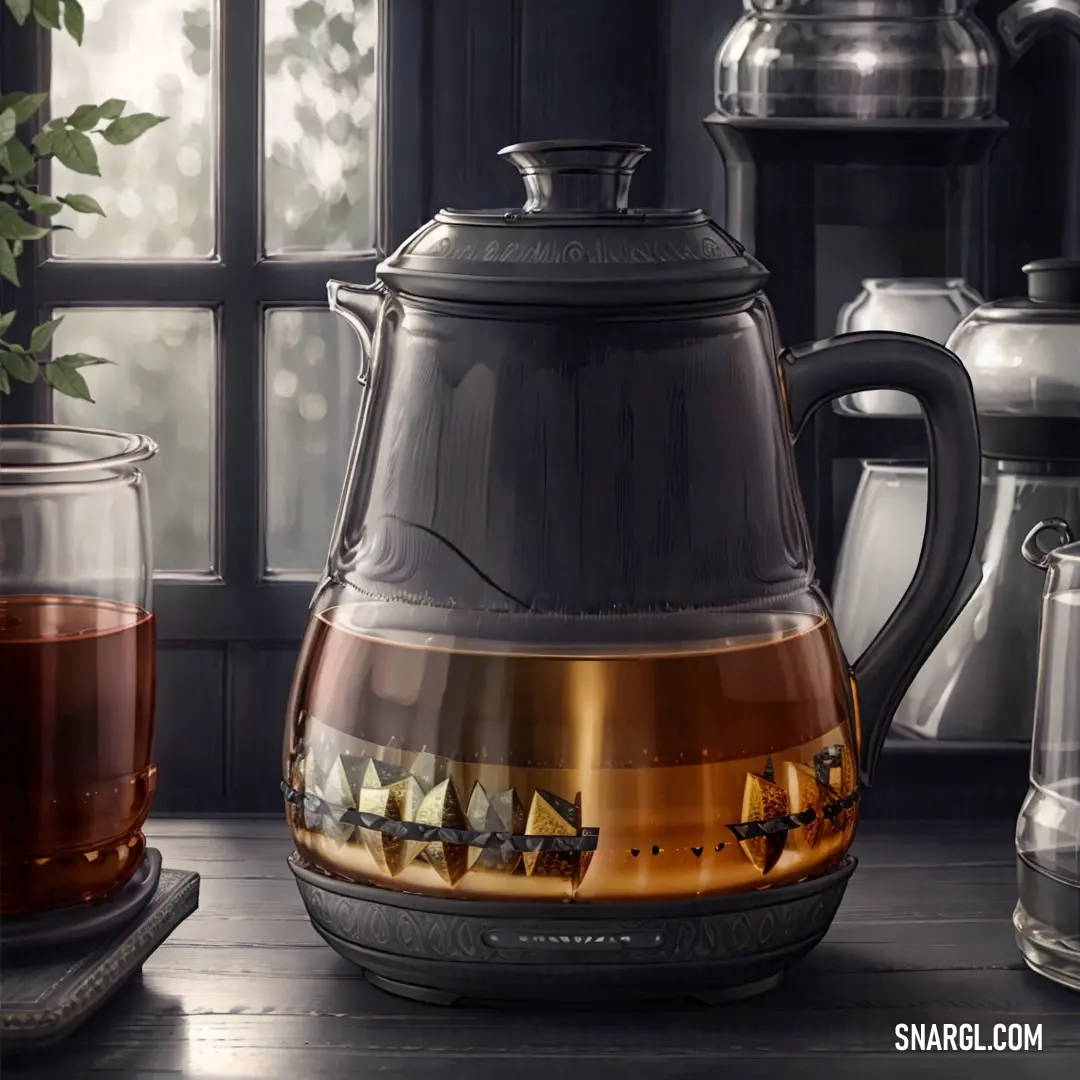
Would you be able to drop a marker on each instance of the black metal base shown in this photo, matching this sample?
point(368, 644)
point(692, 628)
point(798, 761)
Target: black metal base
point(714, 949)
point(84, 924)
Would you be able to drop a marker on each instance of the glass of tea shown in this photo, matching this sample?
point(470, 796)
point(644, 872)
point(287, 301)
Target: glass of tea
point(76, 664)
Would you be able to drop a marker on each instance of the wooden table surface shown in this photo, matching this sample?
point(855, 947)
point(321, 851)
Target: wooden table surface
point(246, 988)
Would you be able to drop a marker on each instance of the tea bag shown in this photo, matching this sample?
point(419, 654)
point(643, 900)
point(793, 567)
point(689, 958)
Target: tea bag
point(338, 796)
point(389, 792)
point(427, 769)
point(311, 781)
point(763, 799)
point(442, 808)
point(550, 815)
point(835, 768)
point(806, 792)
point(501, 812)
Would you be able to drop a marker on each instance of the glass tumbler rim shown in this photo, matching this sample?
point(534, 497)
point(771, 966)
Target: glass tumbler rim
point(106, 451)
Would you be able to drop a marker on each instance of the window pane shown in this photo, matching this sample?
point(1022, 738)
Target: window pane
point(161, 384)
point(319, 125)
point(157, 192)
point(311, 399)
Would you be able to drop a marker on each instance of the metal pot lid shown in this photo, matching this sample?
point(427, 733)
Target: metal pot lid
point(1023, 354)
point(574, 242)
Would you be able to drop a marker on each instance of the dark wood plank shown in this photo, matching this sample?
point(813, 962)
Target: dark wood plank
point(475, 103)
point(189, 729)
point(247, 988)
point(336, 1061)
point(596, 74)
point(693, 171)
point(258, 689)
point(856, 1013)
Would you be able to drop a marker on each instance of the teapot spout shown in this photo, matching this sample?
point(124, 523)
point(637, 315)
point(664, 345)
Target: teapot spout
point(359, 306)
point(1022, 24)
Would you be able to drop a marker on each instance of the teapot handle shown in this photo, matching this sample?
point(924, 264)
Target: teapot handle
point(365, 309)
point(820, 371)
point(1038, 556)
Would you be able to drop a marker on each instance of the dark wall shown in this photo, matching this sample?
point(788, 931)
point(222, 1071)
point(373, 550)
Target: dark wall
point(1035, 176)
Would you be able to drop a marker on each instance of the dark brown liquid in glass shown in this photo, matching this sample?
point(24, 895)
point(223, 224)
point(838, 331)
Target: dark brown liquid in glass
point(77, 678)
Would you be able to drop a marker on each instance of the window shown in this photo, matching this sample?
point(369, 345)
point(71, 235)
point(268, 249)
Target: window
point(205, 281)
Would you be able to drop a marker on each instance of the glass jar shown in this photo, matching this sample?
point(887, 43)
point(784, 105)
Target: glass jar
point(77, 664)
point(1047, 917)
point(927, 307)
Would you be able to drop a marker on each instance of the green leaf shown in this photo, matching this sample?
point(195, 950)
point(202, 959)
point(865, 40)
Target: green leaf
point(40, 204)
point(65, 378)
point(127, 129)
point(5, 382)
point(16, 160)
point(25, 105)
point(85, 117)
point(82, 204)
point(7, 189)
point(47, 13)
point(19, 9)
point(19, 366)
point(8, 269)
point(74, 20)
point(6, 320)
point(75, 150)
point(81, 359)
point(17, 248)
point(7, 125)
point(44, 139)
point(13, 227)
point(112, 108)
point(41, 335)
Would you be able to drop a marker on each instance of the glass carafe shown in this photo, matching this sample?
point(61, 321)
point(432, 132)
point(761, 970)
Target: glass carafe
point(873, 60)
point(76, 664)
point(1047, 917)
point(569, 643)
point(927, 307)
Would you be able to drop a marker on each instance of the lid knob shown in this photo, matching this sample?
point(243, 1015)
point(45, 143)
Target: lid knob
point(1054, 281)
point(575, 174)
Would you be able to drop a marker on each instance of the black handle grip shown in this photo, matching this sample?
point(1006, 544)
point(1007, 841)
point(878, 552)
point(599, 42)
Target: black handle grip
point(818, 372)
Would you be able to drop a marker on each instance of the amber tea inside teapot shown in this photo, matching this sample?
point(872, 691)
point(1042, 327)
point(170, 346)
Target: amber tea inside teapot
point(569, 645)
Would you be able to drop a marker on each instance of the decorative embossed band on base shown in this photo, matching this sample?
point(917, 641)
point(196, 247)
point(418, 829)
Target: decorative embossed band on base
point(532, 951)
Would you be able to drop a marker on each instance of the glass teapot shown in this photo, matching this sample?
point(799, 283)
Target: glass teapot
point(1047, 916)
point(569, 642)
point(874, 59)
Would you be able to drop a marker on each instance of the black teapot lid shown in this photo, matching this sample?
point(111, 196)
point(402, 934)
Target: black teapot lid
point(575, 242)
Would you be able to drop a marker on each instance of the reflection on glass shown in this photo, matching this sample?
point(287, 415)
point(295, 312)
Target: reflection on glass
point(157, 192)
point(161, 384)
point(319, 125)
point(311, 400)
